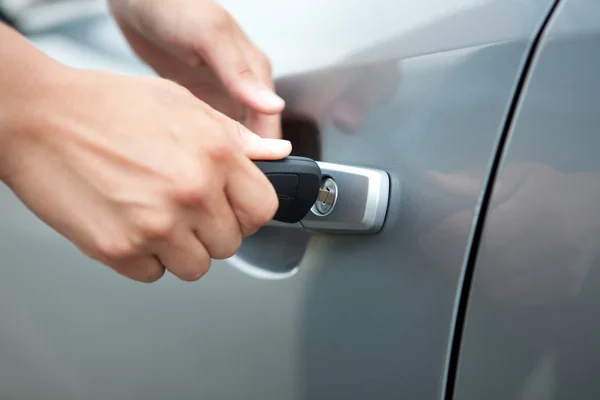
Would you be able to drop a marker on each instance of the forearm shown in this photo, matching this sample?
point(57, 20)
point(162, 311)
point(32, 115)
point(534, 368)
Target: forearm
point(23, 69)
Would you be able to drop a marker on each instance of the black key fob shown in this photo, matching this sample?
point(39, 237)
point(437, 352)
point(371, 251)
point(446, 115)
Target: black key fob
point(297, 181)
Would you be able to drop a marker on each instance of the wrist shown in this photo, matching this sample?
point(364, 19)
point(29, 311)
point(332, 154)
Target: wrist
point(25, 77)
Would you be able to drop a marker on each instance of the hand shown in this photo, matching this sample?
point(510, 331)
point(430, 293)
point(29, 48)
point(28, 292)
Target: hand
point(541, 235)
point(137, 172)
point(199, 45)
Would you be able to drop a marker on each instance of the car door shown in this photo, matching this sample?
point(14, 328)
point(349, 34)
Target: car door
point(417, 89)
point(532, 321)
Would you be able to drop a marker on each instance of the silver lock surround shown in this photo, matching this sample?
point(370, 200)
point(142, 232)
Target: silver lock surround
point(361, 203)
point(327, 197)
point(362, 197)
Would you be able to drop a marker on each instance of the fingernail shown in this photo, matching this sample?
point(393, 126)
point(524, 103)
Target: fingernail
point(268, 98)
point(252, 142)
point(279, 145)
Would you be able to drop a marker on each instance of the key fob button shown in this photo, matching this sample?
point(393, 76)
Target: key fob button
point(284, 205)
point(297, 181)
point(285, 184)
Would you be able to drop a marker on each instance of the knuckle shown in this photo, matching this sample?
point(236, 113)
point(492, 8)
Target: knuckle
point(222, 21)
point(219, 150)
point(156, 226)
point(220, 24)
point(115, 250)
point(243, 71)
point(192, 191)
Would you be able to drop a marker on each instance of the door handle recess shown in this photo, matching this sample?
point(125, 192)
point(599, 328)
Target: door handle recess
point(327, 197)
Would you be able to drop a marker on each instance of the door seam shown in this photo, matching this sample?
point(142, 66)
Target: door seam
point(465, 283)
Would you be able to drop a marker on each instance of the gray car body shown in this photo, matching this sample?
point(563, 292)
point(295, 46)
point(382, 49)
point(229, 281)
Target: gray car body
point(444, 301)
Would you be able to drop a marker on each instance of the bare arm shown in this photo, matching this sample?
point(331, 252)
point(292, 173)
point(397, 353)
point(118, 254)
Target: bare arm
point(23, 70)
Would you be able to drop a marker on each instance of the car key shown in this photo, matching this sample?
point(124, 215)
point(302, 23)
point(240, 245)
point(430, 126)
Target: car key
point(297, 181)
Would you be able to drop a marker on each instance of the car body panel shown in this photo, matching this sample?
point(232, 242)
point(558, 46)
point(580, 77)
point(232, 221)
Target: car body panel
point(350, 316)
point(533, 322)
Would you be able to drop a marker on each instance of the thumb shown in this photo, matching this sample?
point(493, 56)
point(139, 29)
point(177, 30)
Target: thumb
point(258, 148)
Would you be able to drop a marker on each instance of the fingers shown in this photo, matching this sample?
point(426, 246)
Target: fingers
point(217, 228)
point(252, 197)
point(264, 125)
point(178, 42)
point(257, 148)
point(222, 49)
point(184, 255)
point(144, 269)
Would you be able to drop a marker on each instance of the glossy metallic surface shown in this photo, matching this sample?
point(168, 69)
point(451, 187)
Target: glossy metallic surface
point(417, 89)
point(327, 197)
point(361, 201)
point(533, 320)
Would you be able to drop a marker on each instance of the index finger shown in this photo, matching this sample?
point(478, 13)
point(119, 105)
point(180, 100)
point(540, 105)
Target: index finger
point(224, 53)
point(266, 125)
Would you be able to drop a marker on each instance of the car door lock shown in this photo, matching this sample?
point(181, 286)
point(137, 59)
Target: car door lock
point(328, 197)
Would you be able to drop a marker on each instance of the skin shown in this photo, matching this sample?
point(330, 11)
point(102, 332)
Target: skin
point(198, 44)
point(145, 174)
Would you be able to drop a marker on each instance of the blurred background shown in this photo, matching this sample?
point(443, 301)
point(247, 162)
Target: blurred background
point(296, 34)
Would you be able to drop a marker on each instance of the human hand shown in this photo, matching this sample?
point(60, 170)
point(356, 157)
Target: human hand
point(200, 46)
point(540, 237)
point(137, 172)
